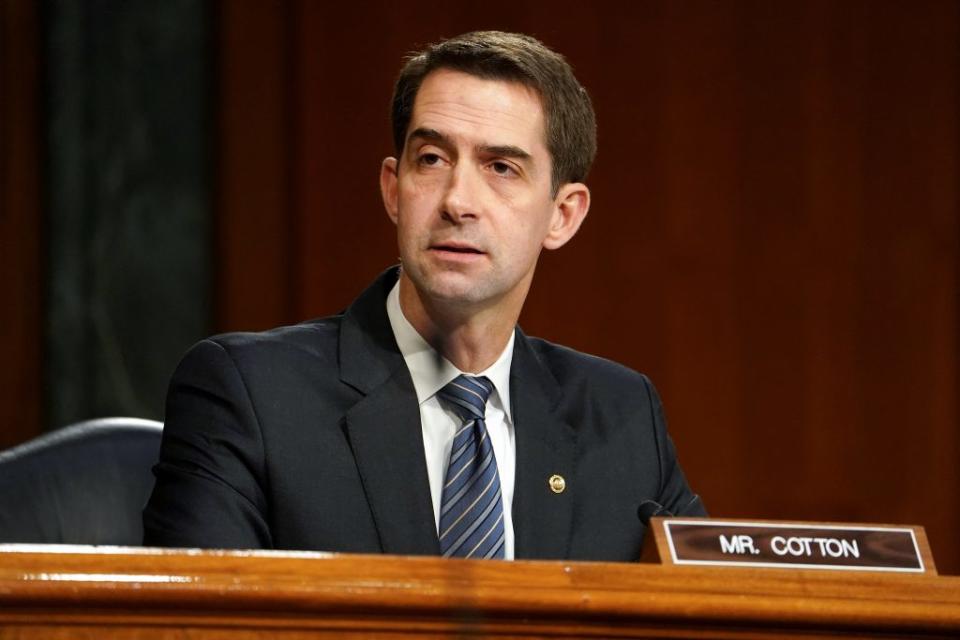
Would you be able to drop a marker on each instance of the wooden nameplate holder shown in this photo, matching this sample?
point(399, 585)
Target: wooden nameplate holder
point(788, 545)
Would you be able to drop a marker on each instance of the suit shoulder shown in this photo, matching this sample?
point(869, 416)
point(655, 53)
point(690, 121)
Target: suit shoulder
point(310, 339)
point(308, 335)
point(570, 366)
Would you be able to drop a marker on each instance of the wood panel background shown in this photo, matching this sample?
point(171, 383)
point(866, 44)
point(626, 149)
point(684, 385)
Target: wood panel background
point(774, 233)
point(20, 223)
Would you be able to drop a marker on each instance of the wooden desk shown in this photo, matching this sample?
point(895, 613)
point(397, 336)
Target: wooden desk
point(112, 593)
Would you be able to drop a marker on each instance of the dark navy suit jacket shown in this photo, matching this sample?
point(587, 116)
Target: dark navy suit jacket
point(309, 437)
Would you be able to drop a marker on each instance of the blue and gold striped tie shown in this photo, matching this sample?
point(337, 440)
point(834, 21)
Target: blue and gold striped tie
point(471, 507)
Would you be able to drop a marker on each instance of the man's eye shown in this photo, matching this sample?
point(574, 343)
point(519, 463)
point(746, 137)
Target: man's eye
point(429, 159)
point(501, 168)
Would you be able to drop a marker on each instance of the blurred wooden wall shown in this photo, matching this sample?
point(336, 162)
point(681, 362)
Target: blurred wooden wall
point(774, 233)
point(774, 239)
point(21, 322)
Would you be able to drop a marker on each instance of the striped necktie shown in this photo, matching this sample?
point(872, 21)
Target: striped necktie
point(471, 507)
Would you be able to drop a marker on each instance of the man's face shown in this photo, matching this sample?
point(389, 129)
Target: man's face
point(471, 194)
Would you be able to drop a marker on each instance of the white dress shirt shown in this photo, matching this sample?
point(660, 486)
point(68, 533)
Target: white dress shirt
point(431, 372)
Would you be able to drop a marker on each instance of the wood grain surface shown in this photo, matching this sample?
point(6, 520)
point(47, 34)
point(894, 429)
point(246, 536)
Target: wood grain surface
point(149, 593)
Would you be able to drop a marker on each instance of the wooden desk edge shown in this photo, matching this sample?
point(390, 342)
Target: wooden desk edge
point(77, 582)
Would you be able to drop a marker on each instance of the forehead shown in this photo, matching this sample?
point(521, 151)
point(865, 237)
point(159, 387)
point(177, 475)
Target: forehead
point(494, 112)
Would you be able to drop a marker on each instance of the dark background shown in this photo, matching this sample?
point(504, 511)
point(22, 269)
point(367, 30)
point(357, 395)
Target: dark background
point(774, 234)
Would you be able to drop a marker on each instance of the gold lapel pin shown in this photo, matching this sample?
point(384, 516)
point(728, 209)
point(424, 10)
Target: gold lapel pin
point(557, 483)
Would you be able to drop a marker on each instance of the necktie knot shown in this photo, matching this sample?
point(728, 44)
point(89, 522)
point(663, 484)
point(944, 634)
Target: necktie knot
point(468, 396)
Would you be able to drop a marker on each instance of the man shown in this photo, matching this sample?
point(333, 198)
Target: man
point(421, 420)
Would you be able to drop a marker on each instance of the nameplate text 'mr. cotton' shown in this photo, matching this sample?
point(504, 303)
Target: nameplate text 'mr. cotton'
point(789, 545)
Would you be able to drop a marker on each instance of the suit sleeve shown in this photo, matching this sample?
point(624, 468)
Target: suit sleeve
point(675, 493)
point(211, 477)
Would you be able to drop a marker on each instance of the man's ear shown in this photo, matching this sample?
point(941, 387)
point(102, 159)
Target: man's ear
point(388, 186)
point(570, 208)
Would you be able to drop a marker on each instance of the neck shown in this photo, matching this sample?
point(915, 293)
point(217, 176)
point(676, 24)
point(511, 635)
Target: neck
point(472, 340)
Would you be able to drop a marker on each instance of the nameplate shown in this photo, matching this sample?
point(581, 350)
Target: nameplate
point(795, 545)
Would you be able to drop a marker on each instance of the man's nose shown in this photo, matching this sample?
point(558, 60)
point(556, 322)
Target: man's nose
point(461, 200)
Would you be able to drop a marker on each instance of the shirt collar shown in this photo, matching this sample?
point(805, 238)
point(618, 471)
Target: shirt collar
point(431, 371)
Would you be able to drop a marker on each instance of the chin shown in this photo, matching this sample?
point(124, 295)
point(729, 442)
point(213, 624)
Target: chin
point(454, 293)
point(455, 287)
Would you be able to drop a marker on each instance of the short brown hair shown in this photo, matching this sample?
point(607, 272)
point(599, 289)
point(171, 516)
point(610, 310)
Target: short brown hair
point(571, 128)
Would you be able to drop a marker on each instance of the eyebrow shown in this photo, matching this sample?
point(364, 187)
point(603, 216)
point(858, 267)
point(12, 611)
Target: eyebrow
point(505, 150)
point(428, 134)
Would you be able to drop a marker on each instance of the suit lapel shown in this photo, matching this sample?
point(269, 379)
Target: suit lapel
point(546, 446)
point(384, 426)
point(387, 439)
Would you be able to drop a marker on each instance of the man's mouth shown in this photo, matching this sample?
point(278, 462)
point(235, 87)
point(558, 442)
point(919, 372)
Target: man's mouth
point(456, 248)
